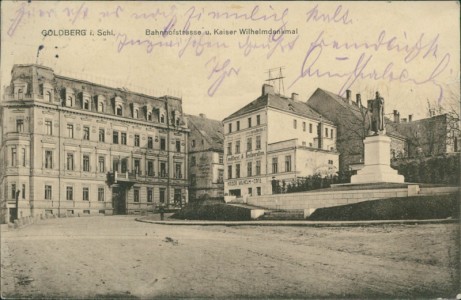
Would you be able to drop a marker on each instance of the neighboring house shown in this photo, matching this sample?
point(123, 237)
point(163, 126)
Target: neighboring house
point(275, 137)
point(429, 136)
point(73, 146)
point(352, 122)
point(206, 165)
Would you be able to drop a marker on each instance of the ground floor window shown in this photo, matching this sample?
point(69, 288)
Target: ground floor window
point(149, 195)
point(136, 195)
point(86, 194)
point(70, 193)
point(177, 197)
point(101, 194)
point(235, 192)
point(162, 195)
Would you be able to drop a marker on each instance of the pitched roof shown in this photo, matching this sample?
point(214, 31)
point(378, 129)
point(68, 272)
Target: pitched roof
point(211, 130)
point(281, 103)
point(353, 106)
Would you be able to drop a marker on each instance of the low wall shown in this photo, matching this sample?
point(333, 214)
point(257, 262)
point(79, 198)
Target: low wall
point(312, 200)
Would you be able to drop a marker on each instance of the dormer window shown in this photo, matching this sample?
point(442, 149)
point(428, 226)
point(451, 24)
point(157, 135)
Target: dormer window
point(119, 110)
point(162, 118)
point(48, 97)
point(136, 113)
point(20, 94)
point(69, 101)
point(177, 122)
point(86, 104)
point(149, 116)
point(100, 102)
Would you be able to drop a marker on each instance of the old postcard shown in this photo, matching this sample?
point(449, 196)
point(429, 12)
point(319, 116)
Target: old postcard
point(303, 138)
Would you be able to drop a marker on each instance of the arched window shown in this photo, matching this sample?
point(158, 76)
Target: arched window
point(149, 116)
point(162, 118)
point(86, 104)
point(69, 101)
point(48, 97)
point(100, 106)
point(119, 110)
point(136, 113)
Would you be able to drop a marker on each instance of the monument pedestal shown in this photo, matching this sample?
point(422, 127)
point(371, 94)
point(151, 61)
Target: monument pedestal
point(377, 166)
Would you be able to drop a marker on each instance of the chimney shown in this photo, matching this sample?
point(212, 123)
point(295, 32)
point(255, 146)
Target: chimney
point(348, 96)
point(358, 98)
point(202, 116)
point(396, 116)
point(410, 118)
point(294, 96)
point(267, 89)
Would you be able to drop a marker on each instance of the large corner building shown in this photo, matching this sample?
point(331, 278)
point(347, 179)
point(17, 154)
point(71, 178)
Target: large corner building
point(72, 146)
point(276, 137)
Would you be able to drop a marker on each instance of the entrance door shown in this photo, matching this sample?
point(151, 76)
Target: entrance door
point(119, 200)
point(12, 215)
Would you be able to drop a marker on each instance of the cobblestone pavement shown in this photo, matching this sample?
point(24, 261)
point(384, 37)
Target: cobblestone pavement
point(117, 257)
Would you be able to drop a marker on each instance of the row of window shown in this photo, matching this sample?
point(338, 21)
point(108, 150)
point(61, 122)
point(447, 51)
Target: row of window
point(258, 191)
point(249, 170)
point(119, 165)
point(119, 109)
point(275, 164)
point(249, 123)
point(48, 189)
point(249, 145)
point(117, 137)
point(275, 168)
point(304, 126)
point(70, 193)
point(49, 192)
point(150, 195)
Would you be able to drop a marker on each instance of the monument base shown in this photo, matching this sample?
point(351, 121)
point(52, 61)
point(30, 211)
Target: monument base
point(377, 162)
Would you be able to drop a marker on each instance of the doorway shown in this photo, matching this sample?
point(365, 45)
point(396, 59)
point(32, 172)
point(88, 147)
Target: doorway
point(119, 200)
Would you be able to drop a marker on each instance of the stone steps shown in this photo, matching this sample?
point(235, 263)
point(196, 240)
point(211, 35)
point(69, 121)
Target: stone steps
point(438, 190)
point(283, 215)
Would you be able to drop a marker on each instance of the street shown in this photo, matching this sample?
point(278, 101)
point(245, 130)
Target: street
point(118, 257)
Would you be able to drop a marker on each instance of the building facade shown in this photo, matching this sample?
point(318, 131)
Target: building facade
point(432, 136)
point(206, 162)
point(275, 137)
point(74, 146)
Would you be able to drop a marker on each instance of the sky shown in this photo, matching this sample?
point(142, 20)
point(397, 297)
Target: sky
point(203, 53)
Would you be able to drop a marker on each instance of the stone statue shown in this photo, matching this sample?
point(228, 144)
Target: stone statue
point(376, 115)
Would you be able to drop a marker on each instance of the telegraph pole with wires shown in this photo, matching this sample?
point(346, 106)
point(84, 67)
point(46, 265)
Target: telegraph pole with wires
point(276, 77)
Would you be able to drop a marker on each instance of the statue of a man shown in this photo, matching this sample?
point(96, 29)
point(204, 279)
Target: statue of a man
point(376, 113)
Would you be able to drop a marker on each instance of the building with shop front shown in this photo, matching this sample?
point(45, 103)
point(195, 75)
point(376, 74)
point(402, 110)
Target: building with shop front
point(72, 146)
point(276, 137)
point(206, 163)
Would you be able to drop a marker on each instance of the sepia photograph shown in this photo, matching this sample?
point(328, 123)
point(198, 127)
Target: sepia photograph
point(230, 149)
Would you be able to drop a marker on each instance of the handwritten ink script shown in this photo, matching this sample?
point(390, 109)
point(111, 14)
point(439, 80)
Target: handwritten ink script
point(365, 53)
point(319, 41)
